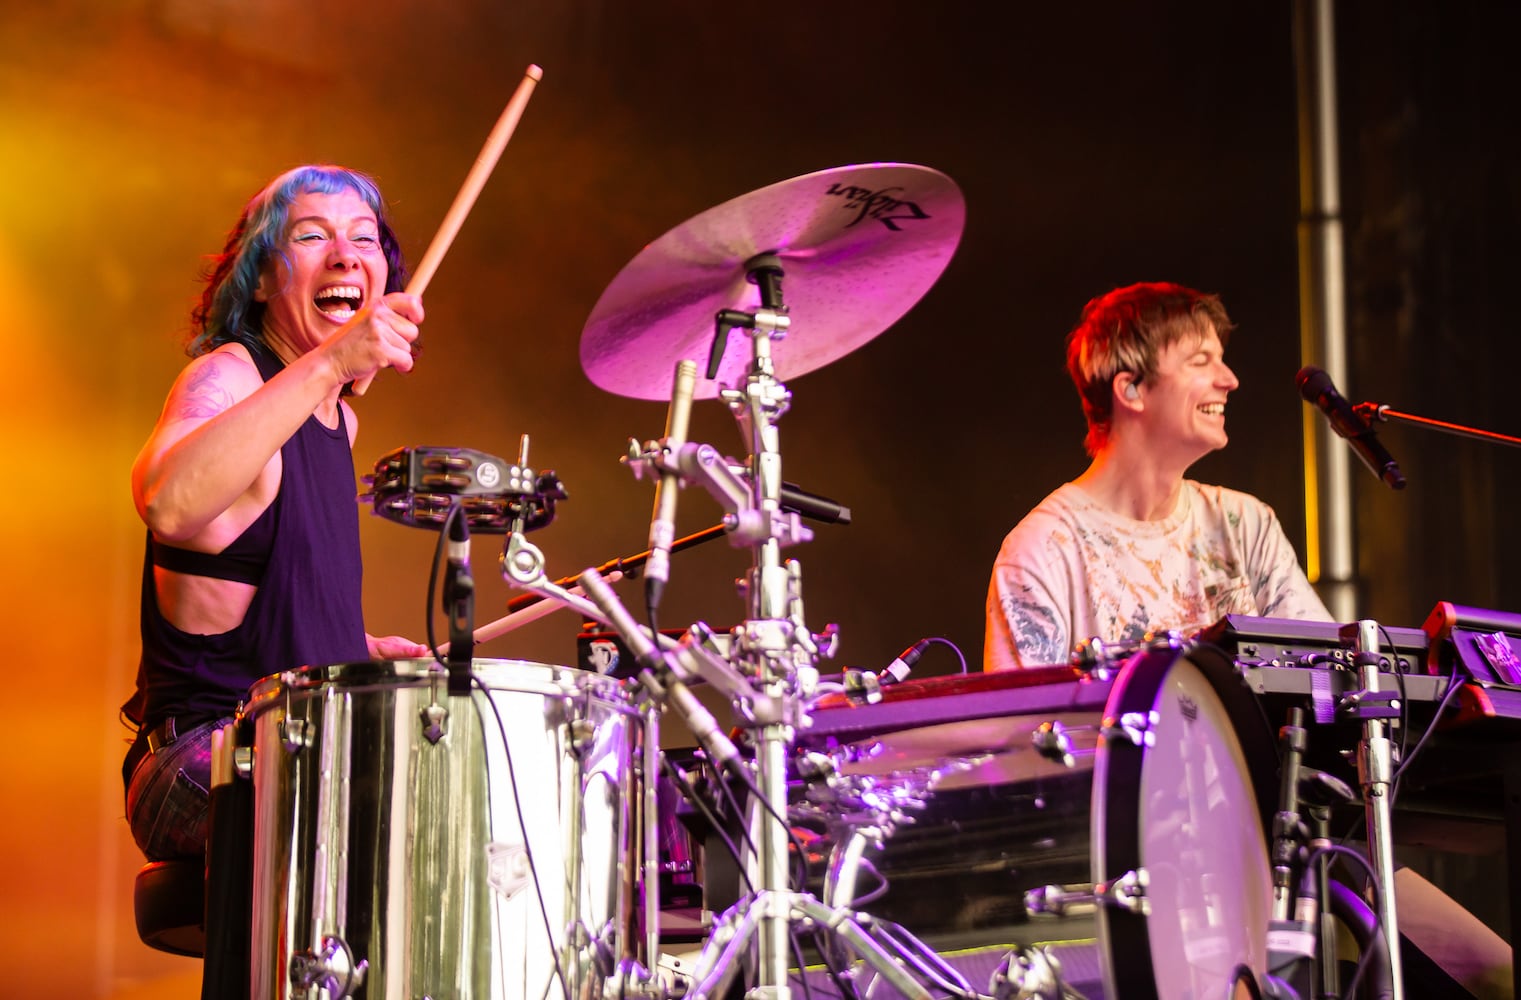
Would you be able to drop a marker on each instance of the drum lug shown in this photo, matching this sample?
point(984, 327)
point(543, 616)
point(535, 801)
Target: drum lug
point(242, 761)
point(294, 734)
point(435, 722)
point(1101, 660)
point(1053, 741)
point(581, 734)
point(332, 969)
point(1132, 727)
point(1128, 892)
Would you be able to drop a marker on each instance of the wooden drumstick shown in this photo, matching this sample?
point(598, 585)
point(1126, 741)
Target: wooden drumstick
point(522, 617)
point(468, 192)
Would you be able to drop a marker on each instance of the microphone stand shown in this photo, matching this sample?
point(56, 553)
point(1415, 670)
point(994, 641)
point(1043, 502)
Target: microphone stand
point(1383, 413)
point(1375, 771)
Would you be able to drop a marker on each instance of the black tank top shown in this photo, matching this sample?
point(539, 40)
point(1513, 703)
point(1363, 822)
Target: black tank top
point(242, 561)
point(307, 610)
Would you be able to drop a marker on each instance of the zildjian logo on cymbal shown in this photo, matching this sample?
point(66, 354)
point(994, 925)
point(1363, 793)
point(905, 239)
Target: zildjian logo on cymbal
point(879, 205)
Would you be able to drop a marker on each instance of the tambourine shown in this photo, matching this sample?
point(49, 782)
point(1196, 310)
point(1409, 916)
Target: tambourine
point(419, 486)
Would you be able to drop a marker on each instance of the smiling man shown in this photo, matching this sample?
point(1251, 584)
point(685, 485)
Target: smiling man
point(246, 483)
point(1131, 545)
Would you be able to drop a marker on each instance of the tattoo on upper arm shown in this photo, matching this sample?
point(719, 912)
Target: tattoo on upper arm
point(204, 394)
point(1036, 633)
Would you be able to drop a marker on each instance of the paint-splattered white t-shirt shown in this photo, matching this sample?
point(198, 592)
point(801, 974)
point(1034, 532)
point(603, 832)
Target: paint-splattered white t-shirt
point(1073, 570)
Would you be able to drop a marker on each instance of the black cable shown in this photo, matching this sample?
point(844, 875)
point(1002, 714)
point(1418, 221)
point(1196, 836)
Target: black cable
point(1399, 678)
point(954, 648)
point(876, 892)
point(1453, 687)
point(798, 879)
point(802, 968)
point(692, 796)
point(476, 682)
point(734, 852)
point(438, 557)
point(923, 959)
point(1317, 854)
point(456, 510)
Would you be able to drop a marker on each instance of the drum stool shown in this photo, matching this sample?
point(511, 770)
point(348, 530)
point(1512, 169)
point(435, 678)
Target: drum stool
point(169, 902)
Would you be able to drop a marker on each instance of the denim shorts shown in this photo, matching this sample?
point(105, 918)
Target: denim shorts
point(168, 797)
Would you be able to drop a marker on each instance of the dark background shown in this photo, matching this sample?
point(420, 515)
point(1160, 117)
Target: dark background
point(1096, 144)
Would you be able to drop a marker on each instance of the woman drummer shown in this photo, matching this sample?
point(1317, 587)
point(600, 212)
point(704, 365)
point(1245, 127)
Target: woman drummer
point(246, 482)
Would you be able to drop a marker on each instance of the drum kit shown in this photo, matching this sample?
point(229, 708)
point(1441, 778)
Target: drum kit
point(476, 828)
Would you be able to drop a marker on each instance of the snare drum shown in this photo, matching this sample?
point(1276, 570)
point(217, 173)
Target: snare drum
point(1153, 789)
point(410, 843)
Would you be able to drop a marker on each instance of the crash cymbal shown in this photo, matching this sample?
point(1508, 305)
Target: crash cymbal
point(859, 245)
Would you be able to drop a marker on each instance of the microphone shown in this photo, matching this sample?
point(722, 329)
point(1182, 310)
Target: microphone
point(898, 669)
point(793, 499)
point(1316, 387)
point(657, 570)
point(863, 684)
point(797, 500)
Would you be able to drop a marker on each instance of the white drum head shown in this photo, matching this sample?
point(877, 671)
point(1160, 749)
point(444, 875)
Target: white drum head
point(1189, 801)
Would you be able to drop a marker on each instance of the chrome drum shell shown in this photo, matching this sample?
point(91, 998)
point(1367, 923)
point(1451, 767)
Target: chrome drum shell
point(486, 857)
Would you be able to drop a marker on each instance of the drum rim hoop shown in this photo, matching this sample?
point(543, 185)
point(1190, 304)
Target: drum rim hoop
point(361, 676)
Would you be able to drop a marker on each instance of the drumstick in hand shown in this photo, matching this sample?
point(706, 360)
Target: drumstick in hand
point(468, 192)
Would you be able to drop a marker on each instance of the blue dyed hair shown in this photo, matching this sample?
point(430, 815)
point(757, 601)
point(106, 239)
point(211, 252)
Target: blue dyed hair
point(228, 312)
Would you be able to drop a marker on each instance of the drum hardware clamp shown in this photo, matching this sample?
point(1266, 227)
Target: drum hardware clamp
point(1029, 973)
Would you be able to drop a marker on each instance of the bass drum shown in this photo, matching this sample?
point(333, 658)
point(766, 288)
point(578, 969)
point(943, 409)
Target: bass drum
point(1038, 787)
point(412, 843)
point(1181, 790)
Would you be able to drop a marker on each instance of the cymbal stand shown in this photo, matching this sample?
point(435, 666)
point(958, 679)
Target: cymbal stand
point(772, 675)
point(775, 652)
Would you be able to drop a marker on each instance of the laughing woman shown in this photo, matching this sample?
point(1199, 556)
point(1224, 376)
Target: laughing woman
point(246, 483)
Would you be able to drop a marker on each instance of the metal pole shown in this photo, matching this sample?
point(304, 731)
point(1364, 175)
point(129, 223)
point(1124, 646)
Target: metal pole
point(1322, 298)
point(1375, 771)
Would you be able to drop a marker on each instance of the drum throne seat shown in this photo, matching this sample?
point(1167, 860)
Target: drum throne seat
point(169, 903)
